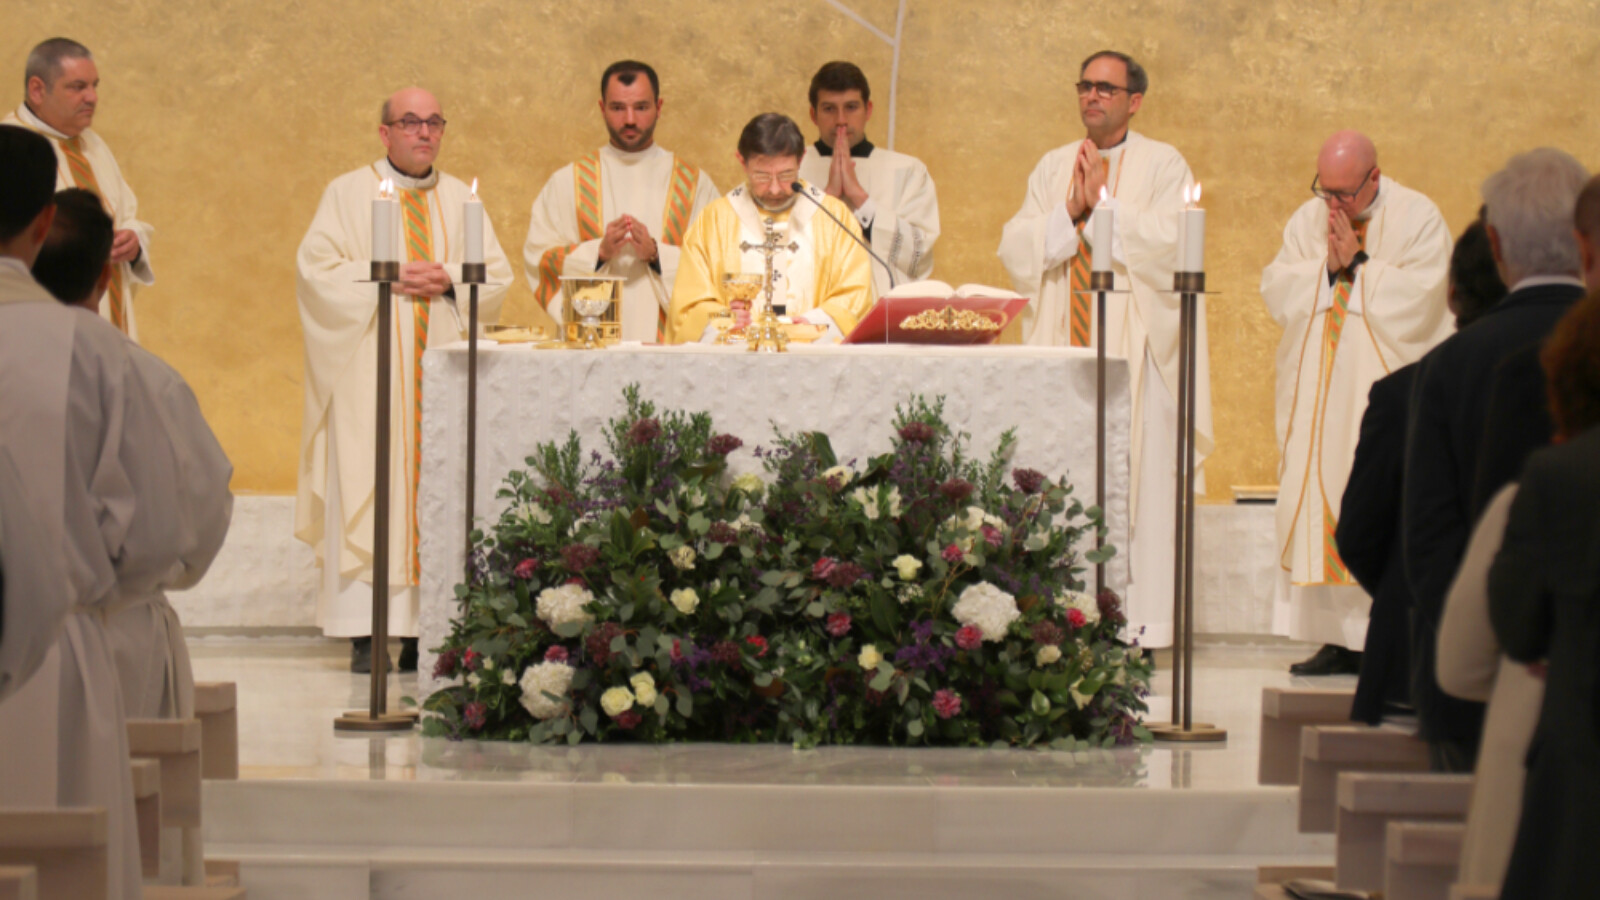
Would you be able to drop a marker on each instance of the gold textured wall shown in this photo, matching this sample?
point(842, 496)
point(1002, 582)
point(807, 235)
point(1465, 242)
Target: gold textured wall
point(229, 118)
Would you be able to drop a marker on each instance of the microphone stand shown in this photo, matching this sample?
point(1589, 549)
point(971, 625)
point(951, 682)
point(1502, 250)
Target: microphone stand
point(800, 190)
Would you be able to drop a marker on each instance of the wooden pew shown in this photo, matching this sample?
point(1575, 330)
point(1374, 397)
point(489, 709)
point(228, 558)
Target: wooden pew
point(1327, 750)
point(1423, 858)
point(1284, 714)
point(147, 812)
point(19, 883)
point(1369, 801)
point(175, 743)
point(216, 705)
point(66, 847)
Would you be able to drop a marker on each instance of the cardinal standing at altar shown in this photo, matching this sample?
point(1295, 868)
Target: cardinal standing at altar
point(338, 312)
point(63, 91)
point(1359, 288)
point(1047, 253)
point(820, 273)
point(621, 210)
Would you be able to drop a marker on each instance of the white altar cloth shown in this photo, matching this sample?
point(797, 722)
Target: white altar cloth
point(527, 397)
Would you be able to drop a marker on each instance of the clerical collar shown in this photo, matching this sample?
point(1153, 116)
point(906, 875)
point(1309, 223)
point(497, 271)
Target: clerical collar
point(412, 182)
point(859, 151)
point(1114, 147)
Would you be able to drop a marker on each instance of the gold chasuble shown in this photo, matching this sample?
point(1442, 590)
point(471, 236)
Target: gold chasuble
point(556, 236)
point(828, 276)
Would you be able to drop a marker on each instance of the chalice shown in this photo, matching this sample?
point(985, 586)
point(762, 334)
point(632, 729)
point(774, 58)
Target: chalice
point(741, 288)
point(590, 298)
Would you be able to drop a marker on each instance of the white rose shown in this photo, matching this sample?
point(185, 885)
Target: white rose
point(695, 498)
point(749, 482)
point(1047, 655)
point(837, 477)
point(685, 600)
point(563, 604)
point(644, 688)
point(508, 677)
point(907, 566)
point(488, 663)
point(682, 557)
point(988, 608)
point(616, 701)
point(474, 680)
point(867, 500)
point(546, 678)
point(869, 657)
point(1082, 602)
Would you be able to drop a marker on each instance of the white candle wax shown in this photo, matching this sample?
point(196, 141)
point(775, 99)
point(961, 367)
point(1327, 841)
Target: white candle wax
point(1101, 228)
point(384, 236)
point(1193, 241)
point(474, 221)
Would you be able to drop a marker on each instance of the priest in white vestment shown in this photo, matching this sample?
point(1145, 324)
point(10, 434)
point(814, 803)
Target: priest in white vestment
point(621, 210)
point(820, 272)
point(80, 427)
point(62, 93)
point(338, 311)
point(143, 629)
point(890, 193)
point(1047, 253)
point(1359, 288)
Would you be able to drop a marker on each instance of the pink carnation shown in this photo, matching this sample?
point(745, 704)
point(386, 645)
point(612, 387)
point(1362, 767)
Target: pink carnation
point(1076, 618)
point(758, 643)
point(952, 554)
point(629, 720)
point(556, 654)
point(823, 568)
point(991, 535)
point(524, 569)
point(471, 660)
point(838, 624)
point(677, 650)
point(475, 715)
point(946, 703)
point(969, 637)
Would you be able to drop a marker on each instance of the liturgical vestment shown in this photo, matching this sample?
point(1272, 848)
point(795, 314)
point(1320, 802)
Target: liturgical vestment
point(901, 216)
point(1338, 338)
point(86, 162)
point(826, 279)
point(338, 313)
point(1039, 247)
point(662, 191)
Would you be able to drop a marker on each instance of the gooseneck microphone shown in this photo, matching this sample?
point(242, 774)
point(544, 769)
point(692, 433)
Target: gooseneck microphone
point(799, 189)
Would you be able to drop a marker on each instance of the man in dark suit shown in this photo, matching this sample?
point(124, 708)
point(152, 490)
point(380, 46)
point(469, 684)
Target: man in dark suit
point(1544, 602)
point(1368, 535)
point(1530, 206)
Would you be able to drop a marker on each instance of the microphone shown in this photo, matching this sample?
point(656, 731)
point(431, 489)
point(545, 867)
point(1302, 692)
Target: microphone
point(799, 189)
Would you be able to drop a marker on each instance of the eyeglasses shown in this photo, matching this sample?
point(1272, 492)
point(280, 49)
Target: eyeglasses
point(765, 179)
point(412, 125)
point(1103, 88)
point(1345, 196)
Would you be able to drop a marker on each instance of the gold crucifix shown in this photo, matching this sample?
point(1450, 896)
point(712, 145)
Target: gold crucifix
point(769, 247)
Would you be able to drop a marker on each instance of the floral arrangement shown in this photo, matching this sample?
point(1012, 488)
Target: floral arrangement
point(647, 594)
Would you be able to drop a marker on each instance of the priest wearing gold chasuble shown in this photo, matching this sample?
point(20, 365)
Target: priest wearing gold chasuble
point(338, 313)
point(1359, 288)
point(820, 272)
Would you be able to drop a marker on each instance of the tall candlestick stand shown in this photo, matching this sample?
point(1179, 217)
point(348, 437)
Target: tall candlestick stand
point(1100, 283)
point(378, 717)
point(473, 274)
point(1189, 286)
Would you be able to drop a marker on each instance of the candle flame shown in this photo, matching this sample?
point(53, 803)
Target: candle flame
point(386, 189)
point(474, 188)
point(1103, 194)
point(1197, 193)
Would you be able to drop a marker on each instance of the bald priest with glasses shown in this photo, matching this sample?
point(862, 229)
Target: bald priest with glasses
point(1359, 288)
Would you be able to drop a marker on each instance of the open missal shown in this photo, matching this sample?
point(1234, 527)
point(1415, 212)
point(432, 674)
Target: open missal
point(932, 312)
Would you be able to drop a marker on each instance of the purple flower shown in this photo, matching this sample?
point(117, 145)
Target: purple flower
point(1028, 480)
point(916, 432)
point(956, 490)
point(843, 575)
point(723, 444)
point(643, 432)
point(578, 557)
point(1047, 633)
point(445, 665)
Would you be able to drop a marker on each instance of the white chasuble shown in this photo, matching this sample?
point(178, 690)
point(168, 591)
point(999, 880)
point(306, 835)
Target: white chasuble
point(1146, 178)
point(661, 191)
point(1337, 340)
point(86, 162)
point(338, 312)
point(901, 215)
point(825, 279)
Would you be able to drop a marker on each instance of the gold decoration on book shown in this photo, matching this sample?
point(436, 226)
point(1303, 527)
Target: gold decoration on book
point(950, 319)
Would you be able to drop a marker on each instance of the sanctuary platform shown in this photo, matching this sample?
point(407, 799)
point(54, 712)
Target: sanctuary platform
point(322, 815)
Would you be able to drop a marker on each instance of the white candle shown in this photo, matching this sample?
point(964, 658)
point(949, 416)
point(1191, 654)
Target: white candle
point(1101, 228)
point(1192, 234)
point(384, 210)
point(474, 216)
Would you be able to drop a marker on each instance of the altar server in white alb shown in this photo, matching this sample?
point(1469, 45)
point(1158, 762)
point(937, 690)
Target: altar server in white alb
point(63, 90)
point(1359, 288)
point(890, 193)
point(98, 469)
point(1046, 250)
point(820, 271)
point(621, 210)
point(143, 629)
point(338, 312)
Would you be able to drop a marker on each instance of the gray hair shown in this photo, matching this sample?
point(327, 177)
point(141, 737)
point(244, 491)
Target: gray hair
point(44, 61)
point(1530, 205)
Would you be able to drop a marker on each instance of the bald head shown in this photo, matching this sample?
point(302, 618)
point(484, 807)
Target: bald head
point(1347, 171)
point(412, 142)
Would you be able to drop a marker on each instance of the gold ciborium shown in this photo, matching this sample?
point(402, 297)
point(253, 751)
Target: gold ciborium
point(592, 314)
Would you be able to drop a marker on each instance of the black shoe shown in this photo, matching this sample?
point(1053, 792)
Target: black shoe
point(408, 654)
point(361, 656)
point(1330, 660)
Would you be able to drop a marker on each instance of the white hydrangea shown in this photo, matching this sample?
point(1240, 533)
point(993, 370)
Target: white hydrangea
point(749, 482)
point(562, 604)
point(644, 688)
point(988, 608)
point(528, 511)
point(1082, 602)
point(546, 678)
point(616, 701)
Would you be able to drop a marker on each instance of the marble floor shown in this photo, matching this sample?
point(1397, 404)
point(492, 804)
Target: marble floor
point(291, 689)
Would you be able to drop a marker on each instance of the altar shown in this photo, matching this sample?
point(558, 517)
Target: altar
point(527, 397)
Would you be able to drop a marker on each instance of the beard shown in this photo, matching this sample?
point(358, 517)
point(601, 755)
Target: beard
point(778, 207)
point(640, 140)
